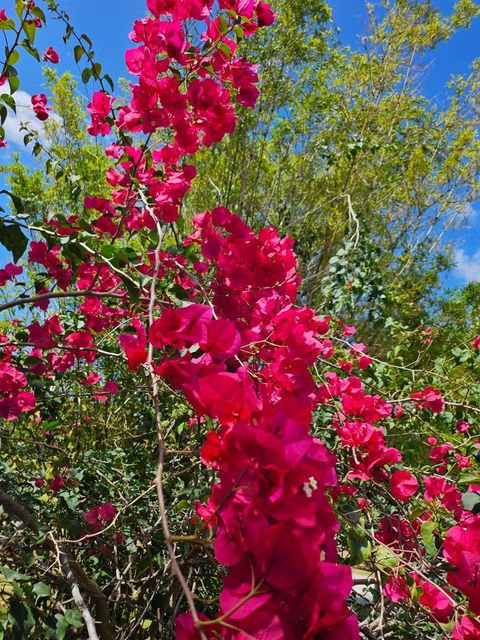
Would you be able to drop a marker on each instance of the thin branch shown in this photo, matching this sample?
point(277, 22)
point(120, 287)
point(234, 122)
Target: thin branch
point(60, 294)
point(76, 593)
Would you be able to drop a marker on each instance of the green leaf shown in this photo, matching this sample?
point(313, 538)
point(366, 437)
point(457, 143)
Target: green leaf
point(225, 49)
point(71, 499)
point(30, 30)
point(31, 50)
point(223, 24)
point(183, 504)
point(14, 57)
point(78, 52)
point(11, 574)
point(7, 25)
point(471, 502)
point(74, 618)
point(14, 83)
point(41, 589)
point(68, 33)
point(19, 8)
point(109, 81)
point(86, 75)
point(13, 239)
point(39, 14)
point(107, 251)
point(359, 545)
point(428, 536)
point(469, 477)
point(86, 39)
point(385, 558)
point(97, 69)
point(17, 202)
point(21, 619)
point(62, 627)
point(5, 97)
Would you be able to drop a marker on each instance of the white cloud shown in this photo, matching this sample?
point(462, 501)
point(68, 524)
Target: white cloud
point(468, 267)
point(24, 114)
point(470, 215)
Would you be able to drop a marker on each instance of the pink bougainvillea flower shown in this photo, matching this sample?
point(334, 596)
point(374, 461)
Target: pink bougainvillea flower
point(437, 488)
point(364, 362)
point(107, 512)
point(39, 104)
point(462, 551)
point(111, 387)
point(135, 347)
point(467, 628)
point(99, 109)
point(437, 454)
point(9, 272)
point(265, 15)
point(92, 378)
point(91, 516)
point(430, 398)
point(185, 628)
point(13, 399)
point(436, 600)
point(222, 340)
point(181, 327)
point(462, 426)
point(57, 483)
point(98, 516)
point(463, 461)
point(476, 343)
point(397, 589)
point(51, 55)
point(403, 485)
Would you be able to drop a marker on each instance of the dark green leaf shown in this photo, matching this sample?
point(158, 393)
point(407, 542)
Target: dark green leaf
point(13, 239)
point(86, 74)
point(14, 83)
point(78, 52)
point(39, 14)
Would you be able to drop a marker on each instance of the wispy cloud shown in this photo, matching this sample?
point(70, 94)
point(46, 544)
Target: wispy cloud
point(470, 215)
point(467, 266)
point(24, 114)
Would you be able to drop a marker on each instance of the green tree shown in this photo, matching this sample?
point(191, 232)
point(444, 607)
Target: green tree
point(68, 160)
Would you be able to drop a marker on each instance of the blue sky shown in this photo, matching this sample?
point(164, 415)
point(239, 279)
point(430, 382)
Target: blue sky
point(108, 23)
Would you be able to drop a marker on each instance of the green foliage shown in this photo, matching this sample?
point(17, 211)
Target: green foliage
point(69, 162)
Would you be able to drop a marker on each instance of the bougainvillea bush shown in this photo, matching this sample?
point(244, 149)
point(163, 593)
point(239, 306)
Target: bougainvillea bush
point(187, 451)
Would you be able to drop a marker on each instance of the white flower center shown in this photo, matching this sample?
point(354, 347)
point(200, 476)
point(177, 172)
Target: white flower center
point(310, 486)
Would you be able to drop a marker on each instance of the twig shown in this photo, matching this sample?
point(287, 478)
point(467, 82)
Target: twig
point(76, 593)
point(60, 294)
